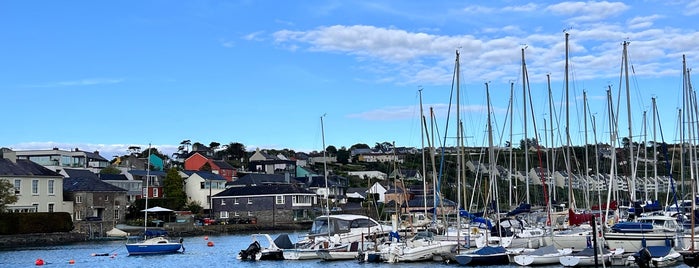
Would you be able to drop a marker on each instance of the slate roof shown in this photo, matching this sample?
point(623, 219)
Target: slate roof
point(272, 189)
point(418, 201)
point(24, 167)
point(145, 172)
point(88, 184)
point(113, 177)
point(82, 173)
point(223, 164)
point(258, 179)
point(94, 156)
point(319, 181)
point(206, 175)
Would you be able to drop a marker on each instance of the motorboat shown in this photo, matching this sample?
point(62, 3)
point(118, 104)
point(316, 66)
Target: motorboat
point(541, 256)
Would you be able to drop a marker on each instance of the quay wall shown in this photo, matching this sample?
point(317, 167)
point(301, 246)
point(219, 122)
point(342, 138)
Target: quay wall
point(48, 239)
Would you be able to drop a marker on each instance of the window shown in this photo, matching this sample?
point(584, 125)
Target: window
point(155, 192)
point(301, 200)
point(235, 201)
point(79, 215)
point(250, 214)
point(116, 213)
point(106, 198)
point(223, 202)
point(78, 199)
point(249, 201)
point(202, 185)
point(35, 187)
point(51, 207)
point(236, 214)
point(224, 214)
point(280, 200)
point(50, 187)
point(18, 187)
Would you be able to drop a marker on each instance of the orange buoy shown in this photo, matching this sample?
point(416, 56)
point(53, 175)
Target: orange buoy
point(39, 262)
point(206, 238)
point(211, 244)
point(71, 261)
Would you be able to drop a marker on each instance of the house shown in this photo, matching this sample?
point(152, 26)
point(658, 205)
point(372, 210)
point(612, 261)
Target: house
point(134, 188)
point(200, 185)
point(260, 179)
point(56, 159)
point(398, 194)
point(265, 204)
point(304, 172)
point(301, 159)
point(406, 175)
point(262, 162)
point(197, 161)
point(93, 199)
point(377, 192)
point(333, 188)
point(380, 158)
point(38, 189)
point(373, 175)
point(152, 182)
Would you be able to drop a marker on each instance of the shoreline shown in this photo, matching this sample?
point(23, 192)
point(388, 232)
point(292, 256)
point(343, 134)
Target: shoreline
point(10, 242)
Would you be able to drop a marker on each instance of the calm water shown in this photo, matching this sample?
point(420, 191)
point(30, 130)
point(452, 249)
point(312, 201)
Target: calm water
point(197, 254)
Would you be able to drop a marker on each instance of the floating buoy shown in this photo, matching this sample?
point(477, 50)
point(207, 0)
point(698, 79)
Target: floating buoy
point(211, 244)
point(206, 238)
point(39, 262)
point(71, 262)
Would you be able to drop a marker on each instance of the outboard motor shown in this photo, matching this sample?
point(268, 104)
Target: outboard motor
point(250, 252)
point(642, 258)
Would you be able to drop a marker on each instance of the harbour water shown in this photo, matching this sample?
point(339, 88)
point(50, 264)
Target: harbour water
point(197, 253)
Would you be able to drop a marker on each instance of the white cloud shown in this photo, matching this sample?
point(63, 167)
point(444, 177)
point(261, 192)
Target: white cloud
point(477, 9)
point(692, 8)
point(82, 82)
point(256, 36)
point(642, 22)
point(523, 8)
point(108, 151)
point(588, 11)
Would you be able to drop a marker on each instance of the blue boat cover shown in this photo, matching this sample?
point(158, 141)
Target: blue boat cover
point(632, 227)
point(655, 251)
point(282, 241)
point(154, 233)
point(483, 221)
point(490, 250)
point(522, 208)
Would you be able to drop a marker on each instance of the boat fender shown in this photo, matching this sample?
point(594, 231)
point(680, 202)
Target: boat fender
point(474, 231)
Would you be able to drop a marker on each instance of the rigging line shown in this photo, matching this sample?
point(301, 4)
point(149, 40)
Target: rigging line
point(667, 164)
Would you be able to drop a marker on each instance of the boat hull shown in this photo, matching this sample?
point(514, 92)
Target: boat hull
point(147, 249)
point(476, 260)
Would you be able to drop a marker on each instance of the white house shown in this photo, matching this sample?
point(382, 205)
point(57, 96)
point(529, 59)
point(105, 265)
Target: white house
point(377, 189)
point(200, 185)
point(38, 189)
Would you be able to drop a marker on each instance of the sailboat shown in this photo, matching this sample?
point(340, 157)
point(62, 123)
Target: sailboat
point(154, 242)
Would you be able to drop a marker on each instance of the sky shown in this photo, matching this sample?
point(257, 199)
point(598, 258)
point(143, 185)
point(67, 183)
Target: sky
point(100, 75)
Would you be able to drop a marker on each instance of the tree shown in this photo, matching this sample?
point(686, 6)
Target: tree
point(110, 170)
point(343, 155)
point(7, 194)
point(359, 146)
point(331, 150)
point(236, 150)
point(173, 188)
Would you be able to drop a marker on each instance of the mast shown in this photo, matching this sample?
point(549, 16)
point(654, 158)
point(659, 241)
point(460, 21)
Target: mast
point(145, 212)
point(587, 169)
point(632, 181)
point(325, 175)
point(645, 156)
point(459, 153)
point(655, 150)
point(571, 200)
point(512, 93)
point(424, 168)
point(553, 143)
point(612, 149)
point(526, 142)
point(491, 153)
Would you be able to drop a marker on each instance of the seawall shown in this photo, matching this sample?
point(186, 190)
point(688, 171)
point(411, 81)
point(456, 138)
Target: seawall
point(49, 239)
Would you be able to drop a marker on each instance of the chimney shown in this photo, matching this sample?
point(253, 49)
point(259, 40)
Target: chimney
point(8, 154)
point(76, 149)
point(55, 148)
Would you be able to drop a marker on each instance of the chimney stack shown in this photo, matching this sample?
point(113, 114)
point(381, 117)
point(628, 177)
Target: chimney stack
point(8, 154)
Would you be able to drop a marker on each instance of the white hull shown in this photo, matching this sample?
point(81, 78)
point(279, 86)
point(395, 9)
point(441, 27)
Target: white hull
point(337, 255)
point(402, 252)
point(576, 261)
point(301, 254)
point(574, 240)
point(632, 242)
point(526, 260)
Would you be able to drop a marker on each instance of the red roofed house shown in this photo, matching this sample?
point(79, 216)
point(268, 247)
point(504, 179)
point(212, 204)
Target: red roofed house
point(196, 161)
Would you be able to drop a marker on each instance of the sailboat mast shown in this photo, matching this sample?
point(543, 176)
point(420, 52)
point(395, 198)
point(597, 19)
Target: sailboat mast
point(632, 181)
point(571, 200)
point(587, 169)
point(526, 141)
point(491, 155)
point(553, 143)
point(145, 212)
point(512, 93)
point(655, 150)
point(325, 174)
point(424, 168)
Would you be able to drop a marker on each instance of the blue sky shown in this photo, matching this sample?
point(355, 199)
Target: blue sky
point(104, 76)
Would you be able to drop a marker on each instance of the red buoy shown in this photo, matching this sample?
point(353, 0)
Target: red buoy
point(71, 261)
point(211, 244)
point(39, 262)
point(206, 238)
